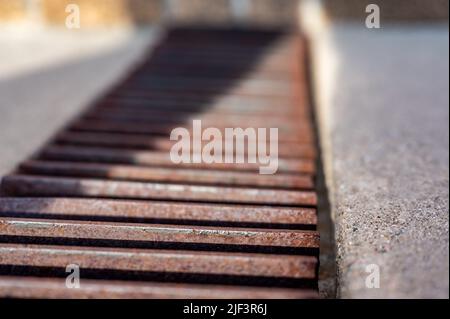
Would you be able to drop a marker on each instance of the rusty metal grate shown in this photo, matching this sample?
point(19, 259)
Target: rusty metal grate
point(105, 195)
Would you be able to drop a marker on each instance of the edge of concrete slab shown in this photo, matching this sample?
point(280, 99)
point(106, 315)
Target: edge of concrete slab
point(390, 219)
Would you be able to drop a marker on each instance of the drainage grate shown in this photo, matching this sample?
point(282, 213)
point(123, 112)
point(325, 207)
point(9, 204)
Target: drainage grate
point(105, 195)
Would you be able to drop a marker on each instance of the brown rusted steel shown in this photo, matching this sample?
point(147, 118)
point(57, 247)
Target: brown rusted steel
point(105, 194)
point(269, 66)
point(162, 159)
point(138, 173)
point(205, 96)
point(175, 113)
point(112, 126)
point(125, 116)
point(208, 119)
point(24, 185)
point(224, 105)
point(161, 143)
point(221, 47)
point(249, 87)
point(156, 210)
point(229, 57)
point(216, 114)
point(210, 263)
point(20, 287)
point(158, 233)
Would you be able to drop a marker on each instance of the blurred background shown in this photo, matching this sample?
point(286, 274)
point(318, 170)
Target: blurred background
point(251, 12)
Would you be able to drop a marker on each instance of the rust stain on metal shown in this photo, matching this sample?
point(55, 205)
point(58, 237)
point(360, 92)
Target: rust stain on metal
point(128, 172)
point(157, 210)
point(20, 287)
point(26, 185)
point(162, 159)
point(264, 265)
point(161, 143)
point(158, 233)
point(300, 136)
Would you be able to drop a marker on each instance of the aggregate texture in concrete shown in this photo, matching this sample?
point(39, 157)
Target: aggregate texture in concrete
point(385, 137)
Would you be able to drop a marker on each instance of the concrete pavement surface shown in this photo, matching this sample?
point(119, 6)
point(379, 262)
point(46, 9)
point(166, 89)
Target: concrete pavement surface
point(385, 136)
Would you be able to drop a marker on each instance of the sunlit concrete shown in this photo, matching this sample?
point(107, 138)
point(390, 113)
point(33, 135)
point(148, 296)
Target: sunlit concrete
point(383, 100)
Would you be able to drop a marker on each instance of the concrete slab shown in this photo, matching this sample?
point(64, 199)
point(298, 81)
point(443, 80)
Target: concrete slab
point(47, 76)
point(383, 104)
